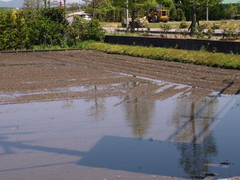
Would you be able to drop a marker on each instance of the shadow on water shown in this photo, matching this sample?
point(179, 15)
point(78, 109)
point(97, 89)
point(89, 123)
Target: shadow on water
point(119, 153)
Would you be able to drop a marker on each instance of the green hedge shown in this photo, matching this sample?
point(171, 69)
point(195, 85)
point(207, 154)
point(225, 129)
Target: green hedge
point(193, 57)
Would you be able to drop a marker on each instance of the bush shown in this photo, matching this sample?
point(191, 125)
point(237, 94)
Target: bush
point(95, 31)
point(55, 14)
point(139, 22)
point(44, 31)
point(183, 25)
point(216, 26)
point(13, 31)
point(47, 27)
point(86, 30)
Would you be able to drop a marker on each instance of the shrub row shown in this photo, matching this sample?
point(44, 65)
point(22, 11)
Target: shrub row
point(47, 27)
point(193, 57)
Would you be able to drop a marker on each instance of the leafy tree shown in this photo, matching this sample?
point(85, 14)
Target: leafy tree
point(238, 8)
point(173, 12)
point(94, 5)
point(194, 6)
point(165, 3)
point(95, 31)
point(180, 15)
point(217, 12)
point(136, 5)
point(45, 31)
point(232, 10)
point(73, 6)
point(36, 4)
point(55, 14)
point(86, 30)
point(30, 4)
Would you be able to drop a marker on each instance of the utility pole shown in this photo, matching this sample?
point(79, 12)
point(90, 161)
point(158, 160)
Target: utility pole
point(127, 21)
point(65, 5)
point(207, 12)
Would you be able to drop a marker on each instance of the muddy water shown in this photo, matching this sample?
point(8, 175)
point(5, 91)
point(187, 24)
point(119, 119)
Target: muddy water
point(123, 137)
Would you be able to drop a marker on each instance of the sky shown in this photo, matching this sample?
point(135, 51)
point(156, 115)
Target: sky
point(70, 1)
point(18, 3)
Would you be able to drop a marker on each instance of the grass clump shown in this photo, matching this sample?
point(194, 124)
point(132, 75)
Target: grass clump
point(220, 60)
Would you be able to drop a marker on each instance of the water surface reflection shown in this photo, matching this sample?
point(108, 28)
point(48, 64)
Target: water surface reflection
point(177, 136)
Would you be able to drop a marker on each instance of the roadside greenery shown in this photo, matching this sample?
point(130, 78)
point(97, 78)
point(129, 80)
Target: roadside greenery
point(23, 29)
point(193, 57)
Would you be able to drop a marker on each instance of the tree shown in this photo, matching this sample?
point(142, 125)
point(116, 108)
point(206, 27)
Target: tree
point(194, 6)
point(36, 4)
point(95, 4)
point(165, 3)
point(30, 4)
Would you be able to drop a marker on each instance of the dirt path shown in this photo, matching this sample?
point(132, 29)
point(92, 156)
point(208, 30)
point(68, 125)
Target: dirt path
point(28, 74)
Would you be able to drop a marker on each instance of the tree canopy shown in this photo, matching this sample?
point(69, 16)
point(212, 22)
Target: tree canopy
point(194, 6)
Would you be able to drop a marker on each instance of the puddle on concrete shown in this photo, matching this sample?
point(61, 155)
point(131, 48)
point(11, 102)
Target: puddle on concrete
point(169, 136)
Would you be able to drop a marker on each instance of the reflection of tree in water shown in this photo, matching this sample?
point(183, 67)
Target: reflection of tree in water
point(98, 106)
point(138, 114)
point(195, 139)
point(68, 104)
point(195, 157)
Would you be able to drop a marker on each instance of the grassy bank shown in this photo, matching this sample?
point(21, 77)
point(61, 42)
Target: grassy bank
point(220, 60)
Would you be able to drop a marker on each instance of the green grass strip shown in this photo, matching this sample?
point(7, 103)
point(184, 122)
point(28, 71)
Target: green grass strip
point(228, 61)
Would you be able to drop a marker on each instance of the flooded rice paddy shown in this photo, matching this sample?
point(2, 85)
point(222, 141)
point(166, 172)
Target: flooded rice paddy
point(167, 131)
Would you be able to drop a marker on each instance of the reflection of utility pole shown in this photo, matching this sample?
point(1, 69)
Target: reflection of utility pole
point(194, 138)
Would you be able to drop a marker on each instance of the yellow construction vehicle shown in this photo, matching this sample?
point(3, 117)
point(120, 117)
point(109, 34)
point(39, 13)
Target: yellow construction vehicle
point(158, 15)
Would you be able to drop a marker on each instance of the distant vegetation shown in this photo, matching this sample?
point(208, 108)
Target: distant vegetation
point(6, 8)
point(46, 27)
point(42, 23)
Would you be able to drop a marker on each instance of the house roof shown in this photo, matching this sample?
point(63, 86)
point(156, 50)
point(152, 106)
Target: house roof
point(230, 1)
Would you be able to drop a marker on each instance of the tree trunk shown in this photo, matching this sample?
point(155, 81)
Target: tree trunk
point(45, 3)
point(49, 3)
point(194, 21)
point(38, 4)
point(133, 17)
point(94, 12)
point(133, 21)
